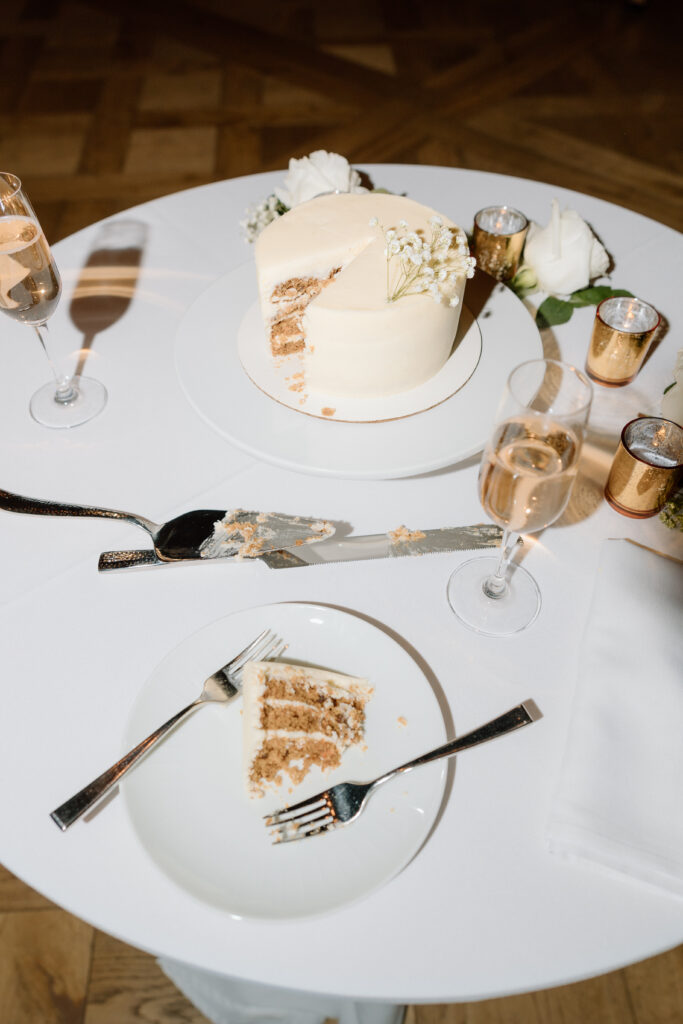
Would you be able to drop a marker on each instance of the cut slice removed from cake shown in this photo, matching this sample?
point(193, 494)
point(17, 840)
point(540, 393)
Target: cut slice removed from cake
point(295, 718)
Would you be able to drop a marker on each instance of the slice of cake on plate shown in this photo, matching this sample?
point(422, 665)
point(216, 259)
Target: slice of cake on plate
point(295, 718)
point(367, 287)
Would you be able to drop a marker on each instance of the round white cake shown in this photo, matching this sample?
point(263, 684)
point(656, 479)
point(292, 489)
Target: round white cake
point(367, 286)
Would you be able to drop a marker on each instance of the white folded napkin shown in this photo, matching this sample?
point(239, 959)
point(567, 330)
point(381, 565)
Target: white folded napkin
point(619, 798)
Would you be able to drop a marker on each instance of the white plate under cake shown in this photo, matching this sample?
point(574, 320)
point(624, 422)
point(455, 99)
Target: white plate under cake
point(214, 381)
point(283, 378)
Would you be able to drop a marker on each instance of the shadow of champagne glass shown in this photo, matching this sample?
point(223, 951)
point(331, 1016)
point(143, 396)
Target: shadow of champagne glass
point(107, 281)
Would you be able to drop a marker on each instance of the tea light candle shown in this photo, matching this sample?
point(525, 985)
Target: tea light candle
point(646, 467)
point(622, 334)
point(499, 234)
point(500, 220)
point(624, 313)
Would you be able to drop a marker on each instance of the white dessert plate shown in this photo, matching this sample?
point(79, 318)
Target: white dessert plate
point(214, 381)
point(187, 800)
point(282, 379)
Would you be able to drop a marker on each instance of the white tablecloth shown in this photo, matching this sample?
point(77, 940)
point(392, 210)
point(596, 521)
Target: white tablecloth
point(483, 909)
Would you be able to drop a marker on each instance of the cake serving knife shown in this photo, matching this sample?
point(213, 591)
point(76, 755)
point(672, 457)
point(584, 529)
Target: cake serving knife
point(395, 544)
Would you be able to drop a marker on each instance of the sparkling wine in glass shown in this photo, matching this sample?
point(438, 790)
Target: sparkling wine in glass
point(30, 287)
point(525, 480)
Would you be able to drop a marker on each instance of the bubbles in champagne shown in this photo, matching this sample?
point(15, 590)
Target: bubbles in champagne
point(527, 473)
point(29, 280)
point(16, 233)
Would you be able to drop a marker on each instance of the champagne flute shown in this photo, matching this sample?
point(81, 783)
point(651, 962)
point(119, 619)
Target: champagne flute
point(525, 479)
point(30, 287)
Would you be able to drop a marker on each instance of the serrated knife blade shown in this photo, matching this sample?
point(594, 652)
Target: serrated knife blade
point(397, 543)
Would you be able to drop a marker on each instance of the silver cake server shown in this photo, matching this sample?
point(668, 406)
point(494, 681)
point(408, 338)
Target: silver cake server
point(204, 533)
point(395, 544)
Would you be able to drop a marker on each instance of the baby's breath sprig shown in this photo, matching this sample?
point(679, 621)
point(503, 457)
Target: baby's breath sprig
point(259, 216)
point(431, 265)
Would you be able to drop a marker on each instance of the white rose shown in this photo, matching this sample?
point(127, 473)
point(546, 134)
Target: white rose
point(672, 401)
point(565, 255)
point(319, 172)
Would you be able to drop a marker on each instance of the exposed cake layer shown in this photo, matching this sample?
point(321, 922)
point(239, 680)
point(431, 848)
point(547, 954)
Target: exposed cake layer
point(295, 718)
point(357, 342)
point(289, 300)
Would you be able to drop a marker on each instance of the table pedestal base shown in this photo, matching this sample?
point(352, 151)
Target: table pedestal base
point(227, 1000)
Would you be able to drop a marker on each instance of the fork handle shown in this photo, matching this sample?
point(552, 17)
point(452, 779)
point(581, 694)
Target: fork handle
point(80, 802)
point(515, 718)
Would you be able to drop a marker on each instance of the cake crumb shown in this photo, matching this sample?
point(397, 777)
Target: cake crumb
point(401, 720)
point(327, 411)
point(402, 534)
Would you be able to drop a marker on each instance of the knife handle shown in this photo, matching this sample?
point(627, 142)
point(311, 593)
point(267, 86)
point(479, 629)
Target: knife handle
point(127, 559)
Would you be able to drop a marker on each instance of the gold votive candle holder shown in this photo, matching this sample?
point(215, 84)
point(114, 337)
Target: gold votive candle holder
point(646, 467)
point(623, 330)
point(498, 240)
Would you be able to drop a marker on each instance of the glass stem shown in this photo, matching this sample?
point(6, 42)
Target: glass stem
point(496, 585)
point(65, 391)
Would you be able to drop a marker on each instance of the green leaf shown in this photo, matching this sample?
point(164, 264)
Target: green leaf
point(592, 296)
point(553, 311)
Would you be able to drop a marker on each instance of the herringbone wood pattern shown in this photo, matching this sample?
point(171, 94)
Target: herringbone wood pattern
point(107, 105)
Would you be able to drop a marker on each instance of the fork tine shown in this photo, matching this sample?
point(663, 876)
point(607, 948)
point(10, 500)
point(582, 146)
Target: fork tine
point(270, 647)
point(236, 663)
point(291, 837)
point(286, 814)
point(286, 817)
point(277, 649)
point(255, 651)
point(308, 802)
point(259, 651)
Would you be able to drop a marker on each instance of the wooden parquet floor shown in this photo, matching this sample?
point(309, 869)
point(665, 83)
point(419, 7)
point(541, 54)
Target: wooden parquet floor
point(104, 105)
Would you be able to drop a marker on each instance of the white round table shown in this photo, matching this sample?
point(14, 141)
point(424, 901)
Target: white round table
point(483, 910)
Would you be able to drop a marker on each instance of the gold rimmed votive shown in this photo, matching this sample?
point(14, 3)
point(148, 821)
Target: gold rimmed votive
point(498, 240)
point(646, 467)
point(622, 334)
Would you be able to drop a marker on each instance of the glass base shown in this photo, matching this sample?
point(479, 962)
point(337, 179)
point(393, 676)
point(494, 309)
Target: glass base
point(502, 616)
point(90, 398)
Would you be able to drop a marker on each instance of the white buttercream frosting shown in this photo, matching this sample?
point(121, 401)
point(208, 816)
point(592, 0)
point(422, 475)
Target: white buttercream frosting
point(357, 343)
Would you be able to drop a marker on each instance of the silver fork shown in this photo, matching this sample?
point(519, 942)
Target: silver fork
point(223, 685)
point(343, 803)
